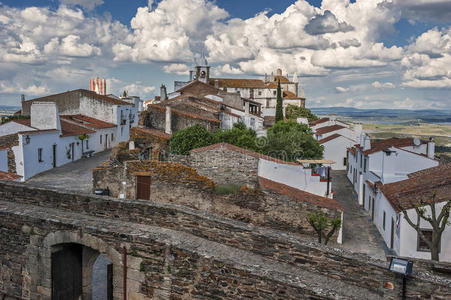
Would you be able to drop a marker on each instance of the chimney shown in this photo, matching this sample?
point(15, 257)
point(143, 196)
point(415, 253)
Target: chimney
point(168, 123)
point(163, 93)
point(266, 77)
point(217, 83)
point(246, 107)
point(22, 98)
point(272, 77)
point(45, 115)
point(279, 72)
point(191, 73)
point(366, 143)
point(431, 148)
point(357, 131)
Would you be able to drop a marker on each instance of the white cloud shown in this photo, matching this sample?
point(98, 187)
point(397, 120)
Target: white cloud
point(228, 69)
point(326, 23)
point(419, 10)
point(342, 89)
point(87, 4)
point(383, 85)
point(138, 89)
point(8, 87)
point(179, 69)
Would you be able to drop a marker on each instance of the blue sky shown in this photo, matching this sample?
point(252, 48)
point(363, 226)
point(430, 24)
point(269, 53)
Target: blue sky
point(364, 54)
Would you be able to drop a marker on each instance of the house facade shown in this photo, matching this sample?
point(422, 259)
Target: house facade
point(392, 198)
point(335, 149)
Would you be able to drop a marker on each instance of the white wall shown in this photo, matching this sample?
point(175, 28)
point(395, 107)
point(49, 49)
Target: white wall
point(409, 237)
point(4, 160)
point(382, 205)
point(12, 128)
point(335, 150)
point(291, 175)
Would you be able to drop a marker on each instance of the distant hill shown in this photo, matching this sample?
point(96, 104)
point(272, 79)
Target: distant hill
point(7, 107)
point(399, 115)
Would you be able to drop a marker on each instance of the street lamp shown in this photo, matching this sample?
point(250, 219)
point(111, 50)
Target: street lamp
point(403, 267)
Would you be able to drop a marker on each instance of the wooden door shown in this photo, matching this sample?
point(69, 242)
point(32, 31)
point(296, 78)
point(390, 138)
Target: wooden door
point(106, 141)
point(54, 156)
point(109, 287)
point(392, 233)
point(143, 187)
point(372, 208)
point(66, 267)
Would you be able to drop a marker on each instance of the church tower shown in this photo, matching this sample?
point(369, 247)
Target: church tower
point(203, 71)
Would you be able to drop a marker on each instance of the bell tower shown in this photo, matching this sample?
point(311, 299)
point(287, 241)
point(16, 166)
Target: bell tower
point(203, 71)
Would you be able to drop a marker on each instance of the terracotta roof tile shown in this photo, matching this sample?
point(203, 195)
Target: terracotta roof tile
point(88, 121)
point(377, 146)
point(239, 83)
point(329, 138)
point(299, 195)
point(183, 113)
point(83, 93)
point(153, 132)
point(419, 187)
point(327, 129)
point(290, 95)
point(243, 151)
point(322, 120)
point(4, 176)
point(69, 129)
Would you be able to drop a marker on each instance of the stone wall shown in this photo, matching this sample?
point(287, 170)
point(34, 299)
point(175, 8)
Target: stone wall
point(9, 141)
point(223, 165)
point(194, 254)
point(179, 184)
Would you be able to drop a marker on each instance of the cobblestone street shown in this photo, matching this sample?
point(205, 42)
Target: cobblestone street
point(73, 177)
point(359, 233)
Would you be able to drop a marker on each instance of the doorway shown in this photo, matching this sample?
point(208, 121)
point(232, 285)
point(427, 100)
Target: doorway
point(143, 187)
point(106, 141)
point(72, 151)
point(54, 156)
point(67, 285)
point(392, 237)
point(372, 208)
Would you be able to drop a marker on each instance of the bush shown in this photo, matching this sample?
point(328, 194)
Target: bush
point(288, 140)
point(293, 112)
point(227, 189)
point(190, 138)
point(239, 136)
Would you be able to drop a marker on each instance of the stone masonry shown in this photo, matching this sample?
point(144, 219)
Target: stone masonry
point(175, 252)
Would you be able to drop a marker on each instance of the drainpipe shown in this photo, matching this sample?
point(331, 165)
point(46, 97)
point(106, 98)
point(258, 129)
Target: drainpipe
point(125, 271)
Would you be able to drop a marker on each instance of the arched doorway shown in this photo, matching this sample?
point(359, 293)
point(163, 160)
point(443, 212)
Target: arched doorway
point(80, 272)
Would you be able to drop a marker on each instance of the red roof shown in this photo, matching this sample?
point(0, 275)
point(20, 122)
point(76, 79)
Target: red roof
point(154, 132)
point(299, 195)
point(385, 144)
point(419, 187)
point(88, 121)
point(5, 176)
point(327, 129)
point(183, 113)
point(329, 138)
point(69, 129)
point(25, 122)
point(83, 93)
point(322, 120)
point(242, 151)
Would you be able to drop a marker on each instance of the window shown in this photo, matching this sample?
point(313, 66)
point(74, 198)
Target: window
point(100, 139)
point(259, 93)
point(87, 144)
point(422, 245)
point(361, 160)
point(122, 130)
point(112, 137)
point(364, 165)
point(383, 221)
point(345, 161)
point(274, 93)
point(40, 155)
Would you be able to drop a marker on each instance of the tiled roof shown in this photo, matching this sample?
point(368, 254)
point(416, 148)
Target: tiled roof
point(419, 187)
point(69, 129)
point(82, 93)
point(299, 195)
point(327, 129)
point(243, 151)
point(385, 144)
point(153, 132)
point(88, 121)
point(239, 83)
point(25, 122)
point(329, 138)
point(352, 150)
point(281, 78)
point(290, 95)
point(198, 88)
point(5, 176)
point(183, 113)
point(322, 120)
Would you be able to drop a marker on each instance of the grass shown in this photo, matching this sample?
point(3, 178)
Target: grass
point(227, 189)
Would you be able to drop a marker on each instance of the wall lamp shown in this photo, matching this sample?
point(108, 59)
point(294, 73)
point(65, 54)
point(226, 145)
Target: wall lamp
point(27, 140)
point(403, 267)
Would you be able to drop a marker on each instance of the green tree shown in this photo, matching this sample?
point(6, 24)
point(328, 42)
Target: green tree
point(279, 106)
point(190, 138)
point(320, 223)
point(292, 112)
point(288, 140)
point(125, 94)
point(437, 220)
point(239, 136)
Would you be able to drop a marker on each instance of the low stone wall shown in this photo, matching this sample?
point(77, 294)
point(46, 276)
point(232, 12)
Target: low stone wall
point(356, 270)
point(176, 183)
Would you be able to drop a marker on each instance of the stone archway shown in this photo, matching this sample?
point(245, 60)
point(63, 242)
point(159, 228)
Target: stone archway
point(40, 261)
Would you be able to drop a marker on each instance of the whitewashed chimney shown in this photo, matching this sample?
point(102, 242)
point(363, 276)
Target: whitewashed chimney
point(163, 93)
point(366, 143)
point(217, 83)
point(357, 131)
point(168, 122)
point(431, 148)
point(45, 115)
point(246, 107)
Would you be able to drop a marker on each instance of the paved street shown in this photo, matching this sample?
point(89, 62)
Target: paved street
point(359, 234)
point(74, 177)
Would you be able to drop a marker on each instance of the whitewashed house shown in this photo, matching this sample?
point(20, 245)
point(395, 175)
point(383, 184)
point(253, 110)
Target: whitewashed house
point(335, 149)
point(391, 198)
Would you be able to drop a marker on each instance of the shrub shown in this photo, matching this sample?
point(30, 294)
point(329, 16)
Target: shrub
point(227, 189)
point(190, 138)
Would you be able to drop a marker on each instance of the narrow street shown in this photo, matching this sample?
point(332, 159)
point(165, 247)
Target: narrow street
point(359, 233)
point(73, 177)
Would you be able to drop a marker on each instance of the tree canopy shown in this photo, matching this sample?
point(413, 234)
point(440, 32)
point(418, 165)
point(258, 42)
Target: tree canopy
point(190, 138)
point(279, 105)
point(292, 112)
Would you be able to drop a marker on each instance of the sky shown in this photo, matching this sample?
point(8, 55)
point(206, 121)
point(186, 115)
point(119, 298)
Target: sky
point(352, 53)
